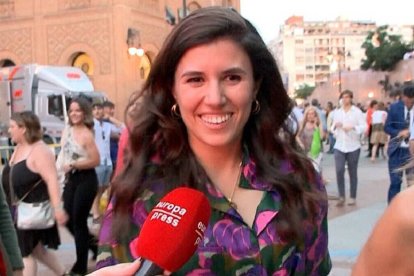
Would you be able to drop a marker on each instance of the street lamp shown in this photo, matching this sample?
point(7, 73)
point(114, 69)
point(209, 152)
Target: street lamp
point(336, 64)
point(340, 55)
point(134, 43)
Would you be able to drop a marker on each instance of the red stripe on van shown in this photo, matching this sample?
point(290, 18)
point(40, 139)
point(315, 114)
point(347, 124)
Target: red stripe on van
point(73, 75)
point(13, 72)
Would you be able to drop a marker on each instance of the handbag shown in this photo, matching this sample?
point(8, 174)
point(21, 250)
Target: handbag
point(38, 215)
point(316, 145)
point(33, 216)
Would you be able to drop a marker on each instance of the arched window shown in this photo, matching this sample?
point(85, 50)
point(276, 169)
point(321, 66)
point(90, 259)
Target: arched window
point(84, 62)
point(144, 66)
point(6, 63)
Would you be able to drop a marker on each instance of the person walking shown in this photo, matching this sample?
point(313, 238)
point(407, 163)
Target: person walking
point(77, 160)
point(109, 116)
point(379, 138)
point(103, 133)
point(322, 117)
point(348, 125)
point(368, 132)
point(399, 120)
point(33, 162)
point(310, 135)
point(215, 117)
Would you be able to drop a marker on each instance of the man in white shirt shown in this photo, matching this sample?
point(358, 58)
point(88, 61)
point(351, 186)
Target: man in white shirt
point(348, 124)
point(103, 132)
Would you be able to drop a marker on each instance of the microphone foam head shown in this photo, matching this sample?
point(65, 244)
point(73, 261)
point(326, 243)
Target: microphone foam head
point(173, 229)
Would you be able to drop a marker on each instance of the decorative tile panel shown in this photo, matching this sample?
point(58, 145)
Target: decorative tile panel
point(19, 42)
point(93, 33)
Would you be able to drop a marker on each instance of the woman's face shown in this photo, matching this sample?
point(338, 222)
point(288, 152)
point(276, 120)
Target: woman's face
point(16, 132)
point(311, 115)
point(214, 89)
point(75, 114)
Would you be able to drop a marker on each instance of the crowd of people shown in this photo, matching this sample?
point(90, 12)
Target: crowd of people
point(383, 127)
point(214, 116)
point(71, 183)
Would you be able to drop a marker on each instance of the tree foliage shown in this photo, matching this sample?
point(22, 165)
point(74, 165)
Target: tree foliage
point(304, 91)
point(382, 50)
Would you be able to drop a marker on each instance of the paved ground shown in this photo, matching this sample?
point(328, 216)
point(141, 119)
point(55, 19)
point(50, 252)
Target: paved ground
point(349, 226)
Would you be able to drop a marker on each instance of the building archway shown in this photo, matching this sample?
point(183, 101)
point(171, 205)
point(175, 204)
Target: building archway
point(84, 62)
point(7, 62)
point(81, 54)
point(144, 66)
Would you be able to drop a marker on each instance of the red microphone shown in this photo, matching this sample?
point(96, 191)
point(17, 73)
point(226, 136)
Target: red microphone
point(172, 231)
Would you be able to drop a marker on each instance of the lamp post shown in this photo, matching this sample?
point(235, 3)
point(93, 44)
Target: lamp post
point(134, 43)
point(340, 55)
point(336, 64)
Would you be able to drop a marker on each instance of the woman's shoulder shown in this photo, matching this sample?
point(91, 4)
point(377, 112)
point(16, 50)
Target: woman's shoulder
point(40, 148)
point(85, 136)
point(401, 209)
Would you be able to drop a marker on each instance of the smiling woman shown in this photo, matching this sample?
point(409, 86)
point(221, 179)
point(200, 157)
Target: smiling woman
point(214, 117)
point(214, 95)
point(76, 163)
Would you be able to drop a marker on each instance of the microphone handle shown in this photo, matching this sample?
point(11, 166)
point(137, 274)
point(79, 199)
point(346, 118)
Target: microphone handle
point(149, 268)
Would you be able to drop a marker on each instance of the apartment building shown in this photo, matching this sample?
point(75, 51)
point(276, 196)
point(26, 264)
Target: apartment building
point(114, 42)
point(313, 52)
point(310, 51)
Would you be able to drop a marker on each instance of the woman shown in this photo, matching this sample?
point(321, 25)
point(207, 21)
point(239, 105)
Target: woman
point(212, 117)
point(378, 136)
point(308, 139)
point(32, 160)
point(77, 160)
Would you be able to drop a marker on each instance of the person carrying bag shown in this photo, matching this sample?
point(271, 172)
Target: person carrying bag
point(36, 215)
point(31, 179)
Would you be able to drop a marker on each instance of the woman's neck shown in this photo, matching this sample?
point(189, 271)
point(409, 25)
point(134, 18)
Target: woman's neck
point(22, 144)
point(215, 159)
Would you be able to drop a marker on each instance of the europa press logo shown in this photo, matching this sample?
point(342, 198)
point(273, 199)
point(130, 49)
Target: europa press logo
point(172, 214)
point(168, 213)
point(173, 229)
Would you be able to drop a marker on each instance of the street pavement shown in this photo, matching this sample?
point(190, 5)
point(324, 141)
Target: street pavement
point(349, 226)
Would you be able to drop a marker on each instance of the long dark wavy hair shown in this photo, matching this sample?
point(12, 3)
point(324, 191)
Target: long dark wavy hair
point(267, 134)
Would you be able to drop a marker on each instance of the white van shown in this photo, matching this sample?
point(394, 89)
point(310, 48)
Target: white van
point(45, 90)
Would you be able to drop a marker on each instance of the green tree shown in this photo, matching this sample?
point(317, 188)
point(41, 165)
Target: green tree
point(382, 50)
point(304, 91)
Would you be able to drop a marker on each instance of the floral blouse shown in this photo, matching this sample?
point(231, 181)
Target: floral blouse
point(230, 246)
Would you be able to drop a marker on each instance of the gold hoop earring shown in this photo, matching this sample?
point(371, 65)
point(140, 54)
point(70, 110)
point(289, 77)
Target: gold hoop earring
point(255, 107)
point(174, 111)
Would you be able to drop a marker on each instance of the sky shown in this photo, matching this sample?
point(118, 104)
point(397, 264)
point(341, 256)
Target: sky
point(268, 15)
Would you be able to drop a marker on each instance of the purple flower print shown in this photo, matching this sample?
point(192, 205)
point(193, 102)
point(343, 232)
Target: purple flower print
point(235, 239)
point(200, 272)
point(139, 213)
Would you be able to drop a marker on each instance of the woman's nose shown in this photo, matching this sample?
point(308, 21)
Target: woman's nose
point(215, 94)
